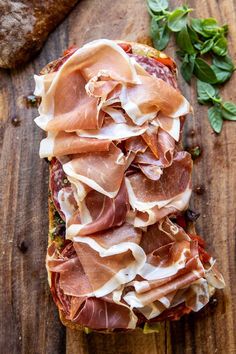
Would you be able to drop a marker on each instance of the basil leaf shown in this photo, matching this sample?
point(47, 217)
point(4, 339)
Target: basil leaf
point(205, 91)
point(180, 54)
point(221, 75)
point(187, 67)
point(158, 5)
point(215, 118)
point(220, 47)
point(209, 25)
point(196, 24)
point(206, 47)
point(204, 72)
point(224, 63)
point(193, 35)
point(184, 41)
point(177, 19)
point(229, 110)
point(160, 35)
point(198, 46)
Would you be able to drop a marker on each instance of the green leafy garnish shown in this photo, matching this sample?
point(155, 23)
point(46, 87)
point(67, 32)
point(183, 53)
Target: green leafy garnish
point(196, 38)
point(184, 42)
point(229, 111)
point(215, 118)
point(205, 91)
point(203, 71)
point(158, 5)
point(187, 67)
point(178, 19)
point(208, 94)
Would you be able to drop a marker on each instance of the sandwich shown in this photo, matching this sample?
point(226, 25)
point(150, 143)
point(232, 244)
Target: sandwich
point(122, 253)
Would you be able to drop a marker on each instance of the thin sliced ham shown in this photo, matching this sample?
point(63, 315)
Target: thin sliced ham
point(103, 213)
point(102, 171)
point(114, 131)
point(172, 275)
point(99, 314)
point(110, 258)
point(145, 194)
point(168, 124)
point(62, 143)
point(143, 102)
point(155, 214)
point(67, 264)
point(66, 104)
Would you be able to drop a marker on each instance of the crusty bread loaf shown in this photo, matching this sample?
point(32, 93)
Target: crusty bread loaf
point(25, 26)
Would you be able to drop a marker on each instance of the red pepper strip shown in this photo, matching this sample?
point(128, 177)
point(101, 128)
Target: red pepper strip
point(70, 50)
point(126, 47)
point(200, 241)
point(203, 255)
point(166, 61)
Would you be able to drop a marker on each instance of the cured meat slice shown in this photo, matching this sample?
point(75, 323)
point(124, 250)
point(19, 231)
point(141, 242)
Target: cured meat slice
point(102, 171)
point(67, 264)
point(63, 143)
point(110, 258)
point(66, 104)
point(143, 102)
point(101, 212)
point(114, 131)
point(145, 194)
point(100, 314)
point(173, 273)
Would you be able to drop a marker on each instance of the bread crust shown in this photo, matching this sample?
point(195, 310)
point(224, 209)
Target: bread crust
point(137, 48)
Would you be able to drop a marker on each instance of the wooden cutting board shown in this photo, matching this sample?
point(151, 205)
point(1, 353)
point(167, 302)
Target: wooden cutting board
point(29, 320)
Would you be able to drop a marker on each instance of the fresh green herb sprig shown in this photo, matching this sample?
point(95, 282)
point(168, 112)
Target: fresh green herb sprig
point(220, 110)
point(197, 39)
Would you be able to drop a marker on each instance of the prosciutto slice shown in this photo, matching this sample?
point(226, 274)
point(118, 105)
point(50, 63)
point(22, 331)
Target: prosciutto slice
point(143, 102)
point(110, 258)
point(103, 171)
point(173, 273)
point(66, 105)
point(100, 212)
point(63, 143)
point(145, 194)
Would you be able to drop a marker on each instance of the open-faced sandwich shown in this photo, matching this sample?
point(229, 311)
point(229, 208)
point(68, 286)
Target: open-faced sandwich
point(121, 254)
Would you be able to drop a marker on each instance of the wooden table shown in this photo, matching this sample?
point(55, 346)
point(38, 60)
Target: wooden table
point(29, 320)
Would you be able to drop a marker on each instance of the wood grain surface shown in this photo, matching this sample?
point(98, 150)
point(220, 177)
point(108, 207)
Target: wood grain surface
point(28, 318)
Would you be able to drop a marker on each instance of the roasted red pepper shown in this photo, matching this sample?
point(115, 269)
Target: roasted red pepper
point(166, 61)
point(126, 47)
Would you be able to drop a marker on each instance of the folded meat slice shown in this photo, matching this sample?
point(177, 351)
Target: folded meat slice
point(153, 215)
point(142, 102)
point(145, 194)
point(168, 124)
point(66, 104)
point(114, 131)
point(102, 171)
point(62, 143)
point(68, 286)
point(100, 212)
point(110, 258)
point(152, 165)
point(100, 314)
point(173, 273)
point(73, 280)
